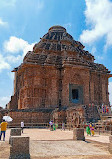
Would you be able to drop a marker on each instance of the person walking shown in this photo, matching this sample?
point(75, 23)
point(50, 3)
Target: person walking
point(63, 126)
point(51, 125)
point(107, 109)
point(3, 129)
point(22, 126)
point(92, 129)
point(54, 126)
point(88, 131)
point(103, 110)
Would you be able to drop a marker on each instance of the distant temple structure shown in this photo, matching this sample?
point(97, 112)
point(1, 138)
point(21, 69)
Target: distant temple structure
point(59, 80)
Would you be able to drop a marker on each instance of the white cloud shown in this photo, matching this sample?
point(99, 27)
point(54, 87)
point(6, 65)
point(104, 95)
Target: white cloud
point(29, 47)
point(3, 63)
point(14, 46)
point(4, 101)
point(13, 59)
point(2, 23)
point(98, 15)
point(110, 92)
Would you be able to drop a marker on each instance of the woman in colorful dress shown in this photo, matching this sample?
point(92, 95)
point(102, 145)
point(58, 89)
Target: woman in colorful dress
point(88, 130)
point(92, 129)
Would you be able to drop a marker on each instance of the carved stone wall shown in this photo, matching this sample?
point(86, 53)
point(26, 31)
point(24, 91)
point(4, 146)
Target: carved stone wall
point(29, 117)
point(40, 88)
point(75, 116)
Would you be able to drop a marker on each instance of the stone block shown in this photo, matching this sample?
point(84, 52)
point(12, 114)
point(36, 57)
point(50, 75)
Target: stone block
point(78, 134)
point(19, 147)
point(15, 132)
point(110, 139)
point(110, 144)
point(110, 148)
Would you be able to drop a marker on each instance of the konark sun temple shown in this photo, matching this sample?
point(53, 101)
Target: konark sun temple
point(59, 80)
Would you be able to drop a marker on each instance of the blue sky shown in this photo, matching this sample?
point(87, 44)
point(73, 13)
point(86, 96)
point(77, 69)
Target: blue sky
point(23, 22)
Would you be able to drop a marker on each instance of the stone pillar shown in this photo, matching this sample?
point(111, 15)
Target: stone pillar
point(78, 134)
point(14, 132)
point(19, 147)
point(110, 144)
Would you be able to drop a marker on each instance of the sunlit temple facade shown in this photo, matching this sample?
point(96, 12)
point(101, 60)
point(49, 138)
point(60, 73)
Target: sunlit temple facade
point(56, 79)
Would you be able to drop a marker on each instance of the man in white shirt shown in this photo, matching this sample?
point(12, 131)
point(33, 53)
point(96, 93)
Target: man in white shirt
point(22, 126)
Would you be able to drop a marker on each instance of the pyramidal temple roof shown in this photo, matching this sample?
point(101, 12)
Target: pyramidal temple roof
point(58, 48)
point(57, 39)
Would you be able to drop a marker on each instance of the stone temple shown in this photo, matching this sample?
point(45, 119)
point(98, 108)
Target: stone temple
point(58, 80)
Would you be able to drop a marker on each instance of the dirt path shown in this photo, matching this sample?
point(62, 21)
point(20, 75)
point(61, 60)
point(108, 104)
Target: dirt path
point(66, 148)
point(4, 150)
point(45, 144)
point(77, 157)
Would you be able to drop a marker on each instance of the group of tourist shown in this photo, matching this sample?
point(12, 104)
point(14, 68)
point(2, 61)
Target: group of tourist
point(90, 129)
point(105, 109)
point(54, 126)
